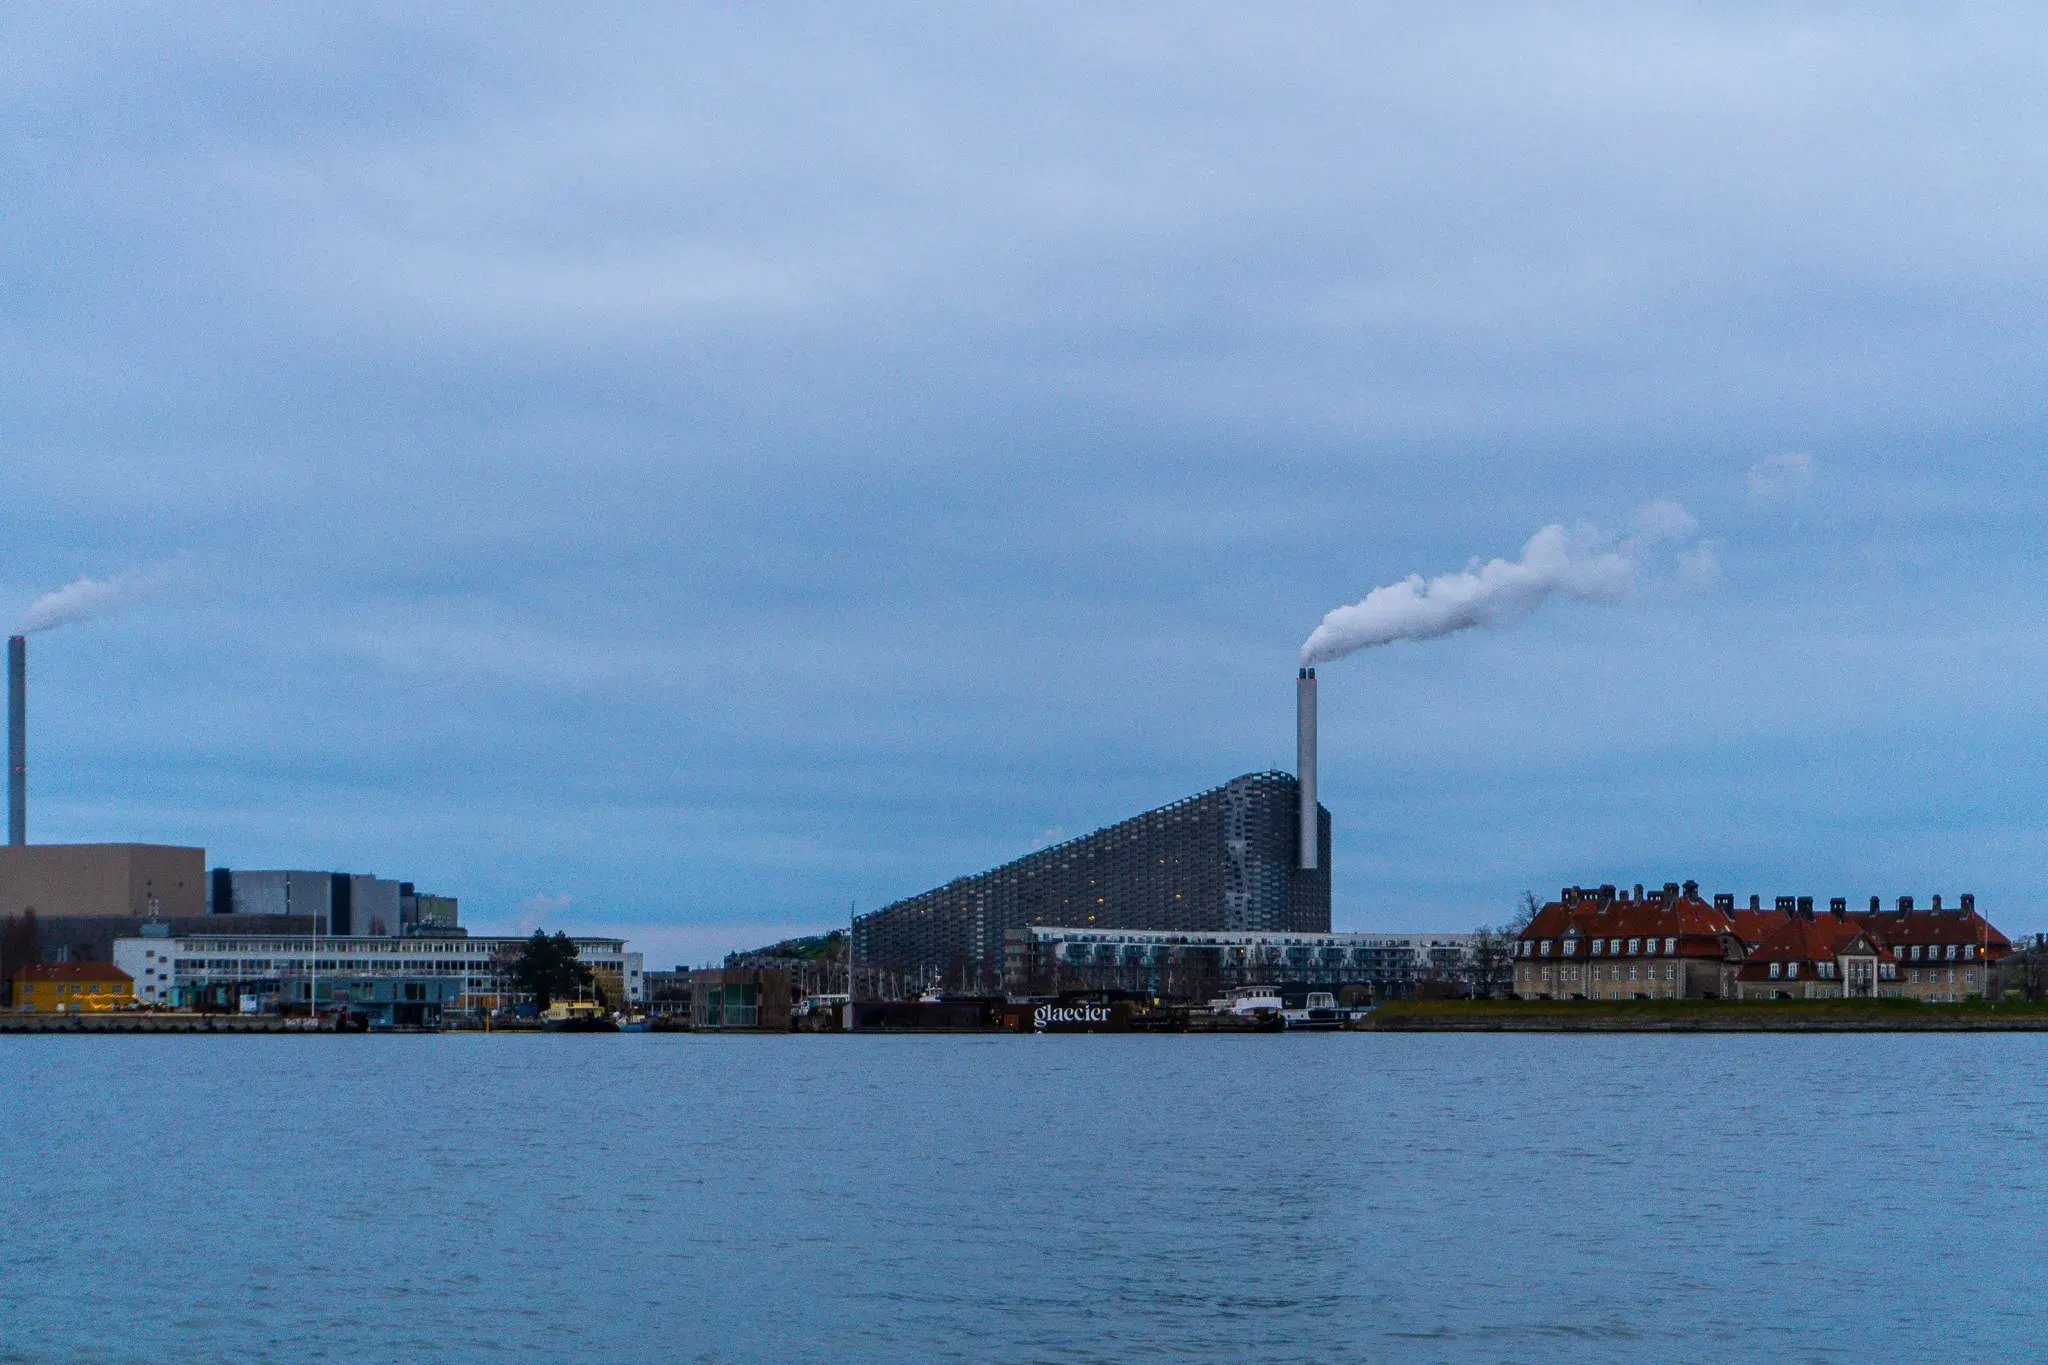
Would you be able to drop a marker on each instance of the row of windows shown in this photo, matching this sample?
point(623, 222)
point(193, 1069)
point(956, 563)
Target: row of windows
point(1649, 947)
point(1955, 952)
point(1602, 947)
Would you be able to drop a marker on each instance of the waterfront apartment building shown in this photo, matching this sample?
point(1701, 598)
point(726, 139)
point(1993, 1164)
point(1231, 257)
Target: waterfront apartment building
point(272, 970)
point(1224, 860)
point(1604, 943)
point(1195, 965)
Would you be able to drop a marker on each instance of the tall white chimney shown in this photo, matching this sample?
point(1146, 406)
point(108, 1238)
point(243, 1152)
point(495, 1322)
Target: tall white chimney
point(1305, 765)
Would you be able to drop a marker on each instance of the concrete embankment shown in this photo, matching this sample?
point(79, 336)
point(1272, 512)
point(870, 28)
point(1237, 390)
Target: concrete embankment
point(125, 1022)
point(1705, 1016)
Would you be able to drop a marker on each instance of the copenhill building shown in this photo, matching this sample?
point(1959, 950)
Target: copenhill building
point(1225, 859)
point(1250, 856)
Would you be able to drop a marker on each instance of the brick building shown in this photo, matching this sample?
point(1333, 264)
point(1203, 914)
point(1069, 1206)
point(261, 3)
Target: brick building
point(1604, 943)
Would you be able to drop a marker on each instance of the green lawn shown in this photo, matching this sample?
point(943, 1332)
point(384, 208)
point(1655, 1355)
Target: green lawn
point(1904, 1014)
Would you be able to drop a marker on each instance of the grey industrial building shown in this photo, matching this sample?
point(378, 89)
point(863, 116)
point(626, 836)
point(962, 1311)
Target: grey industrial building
point(341, 903)
point(1234, 858)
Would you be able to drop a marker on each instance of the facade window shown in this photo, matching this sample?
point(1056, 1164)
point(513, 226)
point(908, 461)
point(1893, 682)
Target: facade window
point(1670, 945)
point(1635, 947)
point(1775, 968)
point(1791, 970)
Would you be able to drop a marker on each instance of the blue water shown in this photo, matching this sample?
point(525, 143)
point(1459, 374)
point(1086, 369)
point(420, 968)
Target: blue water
point(1341, 1197)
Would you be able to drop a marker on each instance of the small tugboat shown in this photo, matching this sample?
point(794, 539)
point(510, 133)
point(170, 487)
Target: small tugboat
point(581, 1015)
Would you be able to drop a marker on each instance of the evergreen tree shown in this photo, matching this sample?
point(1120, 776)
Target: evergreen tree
point(548, 967)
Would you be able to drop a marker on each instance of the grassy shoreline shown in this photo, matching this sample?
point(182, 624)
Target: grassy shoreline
point(1707, 1016)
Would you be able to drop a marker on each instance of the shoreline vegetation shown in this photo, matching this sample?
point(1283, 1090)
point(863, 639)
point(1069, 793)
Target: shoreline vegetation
point(1707, 1016)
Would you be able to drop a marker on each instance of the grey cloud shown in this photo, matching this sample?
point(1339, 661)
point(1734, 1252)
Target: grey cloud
point(723, 463)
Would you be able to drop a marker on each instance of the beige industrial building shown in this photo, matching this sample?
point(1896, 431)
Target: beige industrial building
point(60, 881)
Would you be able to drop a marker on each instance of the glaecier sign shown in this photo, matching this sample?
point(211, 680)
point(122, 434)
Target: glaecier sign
point(1069, 1016)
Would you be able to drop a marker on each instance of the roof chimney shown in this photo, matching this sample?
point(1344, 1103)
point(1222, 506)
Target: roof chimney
point(1806, 906)
point(1969, 903)
point(1905, 904)
point(1875, 905)
point(1936, 906)
point(1639, 891)
point(1692, 891)
point(1724, 901)
point(1755, 904)
point(1839, 906)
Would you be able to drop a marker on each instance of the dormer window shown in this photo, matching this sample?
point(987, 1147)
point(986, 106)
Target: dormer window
point(1791, 970)
point(1670, 945)
point(1635, 947)
point(1776, 969)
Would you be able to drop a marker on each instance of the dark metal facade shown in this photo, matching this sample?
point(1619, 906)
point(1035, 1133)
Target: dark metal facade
point(1223, 860)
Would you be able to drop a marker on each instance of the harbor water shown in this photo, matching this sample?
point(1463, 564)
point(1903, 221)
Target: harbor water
point(1368, 1197)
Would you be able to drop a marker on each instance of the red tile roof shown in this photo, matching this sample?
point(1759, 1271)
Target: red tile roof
point(1571, 928)
point(72, 971)
point(1938, 926)
point(1584, 914)
point(1815, 939)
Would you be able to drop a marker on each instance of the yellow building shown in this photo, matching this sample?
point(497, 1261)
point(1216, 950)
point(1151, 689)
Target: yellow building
point(72, 987)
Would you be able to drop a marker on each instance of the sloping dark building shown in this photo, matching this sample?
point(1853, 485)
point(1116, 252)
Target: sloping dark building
point(1223, 860)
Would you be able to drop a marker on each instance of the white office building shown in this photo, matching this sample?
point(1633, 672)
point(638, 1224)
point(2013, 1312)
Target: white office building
point(267, 968)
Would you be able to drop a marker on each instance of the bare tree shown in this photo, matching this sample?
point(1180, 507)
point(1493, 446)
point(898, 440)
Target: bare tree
point(1490, 969)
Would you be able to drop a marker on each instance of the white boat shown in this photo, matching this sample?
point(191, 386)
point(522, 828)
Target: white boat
point(1319, 1010)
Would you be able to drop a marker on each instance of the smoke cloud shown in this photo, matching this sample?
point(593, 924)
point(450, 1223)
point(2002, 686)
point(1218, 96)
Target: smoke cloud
point(87, 599)
point(1580, 563)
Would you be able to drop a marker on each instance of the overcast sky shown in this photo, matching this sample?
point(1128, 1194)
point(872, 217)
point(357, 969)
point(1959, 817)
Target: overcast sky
point(685, 470)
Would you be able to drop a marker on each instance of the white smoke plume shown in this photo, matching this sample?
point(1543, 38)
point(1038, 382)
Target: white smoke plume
point(1580, 563)
point(87, 599)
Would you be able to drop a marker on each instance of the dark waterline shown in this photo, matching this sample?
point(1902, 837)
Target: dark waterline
point(1338, 1197)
